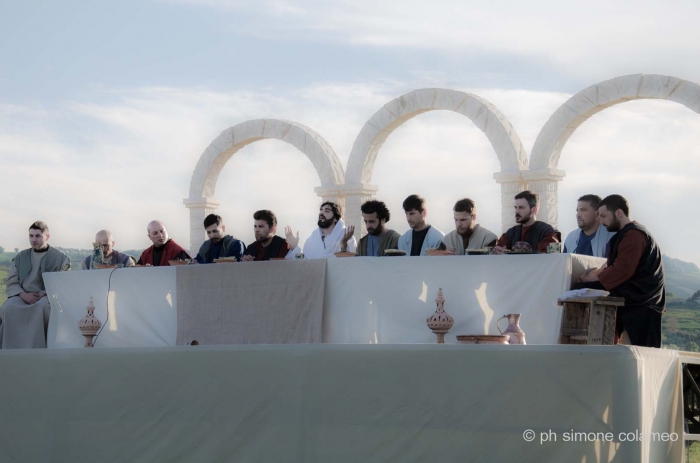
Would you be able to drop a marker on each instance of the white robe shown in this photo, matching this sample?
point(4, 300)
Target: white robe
point(317, 248)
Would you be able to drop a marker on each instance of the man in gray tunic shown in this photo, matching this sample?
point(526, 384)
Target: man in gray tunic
point(467, 234)
point(24, 317)
point(105, 254)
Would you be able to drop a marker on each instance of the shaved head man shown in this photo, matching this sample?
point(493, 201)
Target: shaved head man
point(164, 249)
point(108, 255)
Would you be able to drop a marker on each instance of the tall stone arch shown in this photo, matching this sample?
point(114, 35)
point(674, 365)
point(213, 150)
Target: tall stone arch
point(201, 200)
point(484, 115)
point(544, 176)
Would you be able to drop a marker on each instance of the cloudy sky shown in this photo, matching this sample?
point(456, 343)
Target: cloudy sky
point(105, 108)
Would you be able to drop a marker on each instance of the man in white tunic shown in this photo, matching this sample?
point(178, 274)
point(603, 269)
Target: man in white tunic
point(330, 237)
point(24, 317)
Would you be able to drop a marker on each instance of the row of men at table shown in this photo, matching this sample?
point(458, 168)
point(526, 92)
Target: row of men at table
point(333, 236)
point(633, 269)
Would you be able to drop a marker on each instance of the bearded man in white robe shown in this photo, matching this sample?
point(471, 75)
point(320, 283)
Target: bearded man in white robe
point(330, 237)
point(24, 317)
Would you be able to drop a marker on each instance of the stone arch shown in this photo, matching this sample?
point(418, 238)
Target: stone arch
point(544, 158)
point(203, 183)
point(503, 137)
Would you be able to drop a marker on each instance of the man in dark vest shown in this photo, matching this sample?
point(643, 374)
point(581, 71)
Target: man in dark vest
point(267, 245)
point(105, 254)
point(219, 243)
point(538, 235)
point(163, 249)
point(634, 270)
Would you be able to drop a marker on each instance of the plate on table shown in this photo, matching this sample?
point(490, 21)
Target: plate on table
point(178, 262)
point(225, 260)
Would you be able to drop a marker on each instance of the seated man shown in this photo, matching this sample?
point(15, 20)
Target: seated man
point(536, 234)
point(108, 255)
point(24, 317)
point(219, 244)
point(591, 239)
point(378, 237)
point(330, 237)
point(634, 270)
point(421, 236)
point(163, 249)
point(267, 245)
point(468, 234)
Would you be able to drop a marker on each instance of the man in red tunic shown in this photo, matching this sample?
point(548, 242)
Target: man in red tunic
point(163, 249)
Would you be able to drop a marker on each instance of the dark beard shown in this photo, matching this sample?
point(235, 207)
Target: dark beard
point(523, 219)
point(216, 240)
point(376, 231)
point(614, 226)
point(324, 223)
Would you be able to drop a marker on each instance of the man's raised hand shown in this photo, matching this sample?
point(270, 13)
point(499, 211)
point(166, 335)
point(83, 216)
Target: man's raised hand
point(291, 239)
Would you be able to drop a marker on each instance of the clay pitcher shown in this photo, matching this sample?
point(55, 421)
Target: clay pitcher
point(517, 335)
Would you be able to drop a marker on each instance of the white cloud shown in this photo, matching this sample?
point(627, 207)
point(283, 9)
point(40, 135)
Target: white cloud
point(132, 160)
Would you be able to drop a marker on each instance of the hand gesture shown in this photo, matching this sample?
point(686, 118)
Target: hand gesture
point(499, 249)
point(451, 251)
point(247, 258)
point(291, 239)
point(29, 298)
point(349, 231)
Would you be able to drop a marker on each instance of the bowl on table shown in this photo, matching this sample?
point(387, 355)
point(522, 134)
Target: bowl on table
point(225, 260)
point(394, 252)
point(344, 254)
point(482, 339)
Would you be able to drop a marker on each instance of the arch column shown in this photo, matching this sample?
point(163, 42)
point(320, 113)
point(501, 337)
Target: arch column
point(199, 209)
point(545, 182)
point(511, 184)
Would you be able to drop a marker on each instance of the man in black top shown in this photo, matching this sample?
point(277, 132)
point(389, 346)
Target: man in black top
point(421, 236)
point(267, 245)
point(219, 243)
point(537, 234)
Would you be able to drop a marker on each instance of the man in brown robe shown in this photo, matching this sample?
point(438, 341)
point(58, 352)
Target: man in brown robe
point(24, 317)
point(163, 250)
point(538, 235)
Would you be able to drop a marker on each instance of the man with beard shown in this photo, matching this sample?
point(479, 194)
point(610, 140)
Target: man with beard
point(467, 234)
point(219, 243)
point(330, 237)
point(110, 256)
point(24, 317)
point(591, 239)
point(634, 270)
point(536, 234)
point(267, 245)
point(421, 236)
point(163, 249)
point(378, 237)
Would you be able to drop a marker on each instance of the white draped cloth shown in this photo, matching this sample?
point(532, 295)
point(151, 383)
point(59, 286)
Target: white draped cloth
point(316, 247)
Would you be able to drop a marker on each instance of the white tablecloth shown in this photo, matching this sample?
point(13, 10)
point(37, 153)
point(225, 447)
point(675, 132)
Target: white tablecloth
point(340, 403)
point(366, 300)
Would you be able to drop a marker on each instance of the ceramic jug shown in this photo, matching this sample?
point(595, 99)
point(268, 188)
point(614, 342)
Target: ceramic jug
point(517, 335)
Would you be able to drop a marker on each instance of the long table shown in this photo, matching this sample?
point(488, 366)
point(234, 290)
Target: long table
point(342, 403)
point(351, 300)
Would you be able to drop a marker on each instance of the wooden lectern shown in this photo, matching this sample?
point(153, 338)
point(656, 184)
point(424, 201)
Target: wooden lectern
point(589, 320)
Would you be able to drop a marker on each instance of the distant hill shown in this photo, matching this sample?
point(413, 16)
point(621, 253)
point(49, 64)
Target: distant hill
point(682, 278)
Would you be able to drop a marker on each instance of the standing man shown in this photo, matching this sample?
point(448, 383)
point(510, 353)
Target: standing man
point(591, 239)
point(110, 256)
point(330, 237)
point(467, 234)
point(163, 249)
point(219, 243)
point(536, 234)
point(421, 236)
point(24, 317)
point(634, 271)
point(267, 245)
point(378, 238)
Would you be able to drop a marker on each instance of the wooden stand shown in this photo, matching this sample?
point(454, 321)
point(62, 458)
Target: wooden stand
point(589, 320)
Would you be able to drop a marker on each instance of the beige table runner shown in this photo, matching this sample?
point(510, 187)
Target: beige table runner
point(274, 302)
